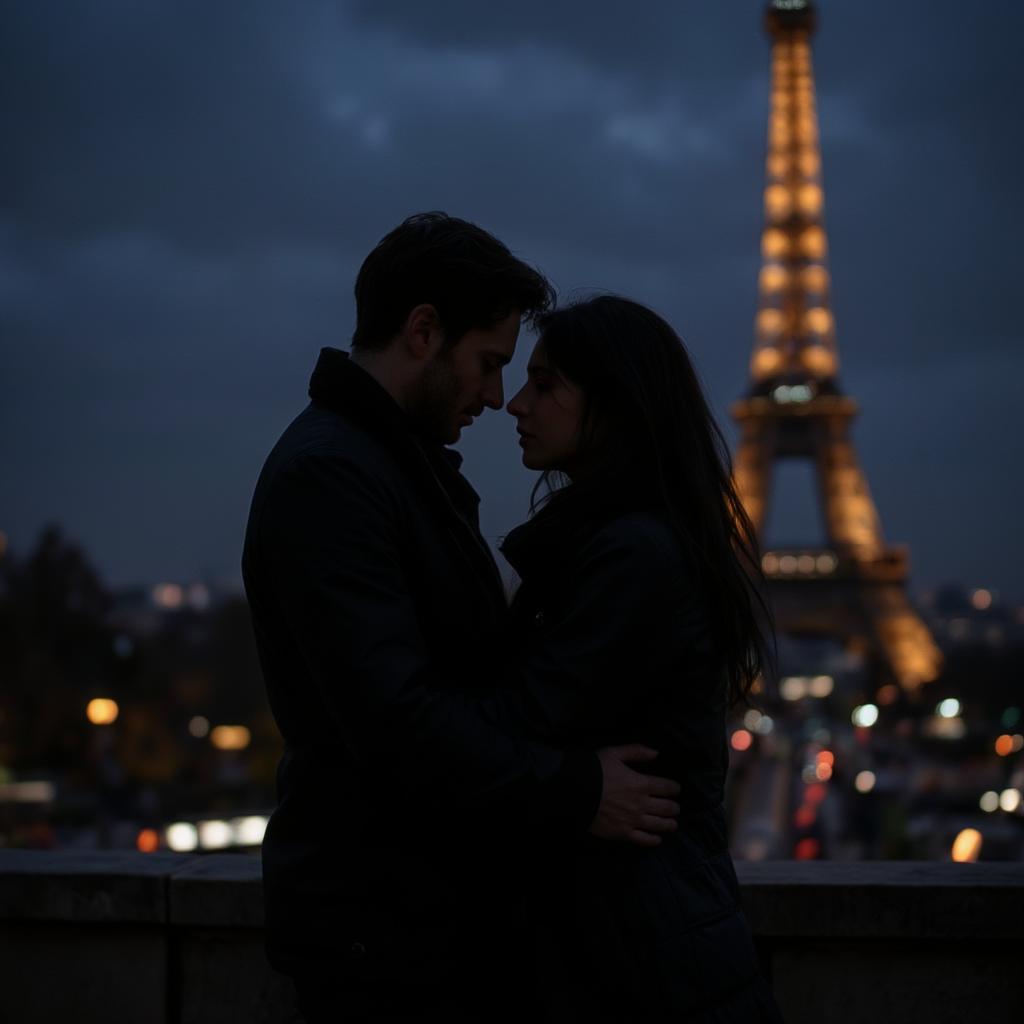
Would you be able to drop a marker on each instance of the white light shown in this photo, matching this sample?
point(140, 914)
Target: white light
point(214, 835)
point(865, 715)
point(864, 782)
point(249, 831)
point(764, 726)
point(1009, 800)
point(181, 837)
point(989, 801)
point(199, 726)
point(751, 718)
point(793, 687)
point(820, 686)
point(949, 708)
point(27, 792)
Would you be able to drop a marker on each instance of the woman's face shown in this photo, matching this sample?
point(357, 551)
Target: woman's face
point(549, 416)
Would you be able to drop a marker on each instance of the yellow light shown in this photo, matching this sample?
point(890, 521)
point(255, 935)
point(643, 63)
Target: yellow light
point(101, 711)
point(815, 278)
point(813, 244)
point(810, 200)
point(766, 361)
point(774, 243)
point(818, 319)
point(967, 846)
point(787, 563)
point(778, 202)
point(214, 835)
point(230, 737)
point(778, 165)
point(770, 563)
point(808, 163)
point(773, 278)
point(770, 322)
point(818, 360)
point(805, 564)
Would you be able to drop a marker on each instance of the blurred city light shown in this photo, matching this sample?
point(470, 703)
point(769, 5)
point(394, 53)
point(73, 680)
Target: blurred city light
point(820, 686)
point(168, 596)
point(981, 599)
point(741, 740)
point(949, 708)
point(214, 835)
point(865, 715)
point(1004, 745)
point(181, 837)
point(807, 849)
point(1009, 800)
point(989, 801)
point(793, 687)
point(199, 727)
point(249, 831)
point(27, 792)
point(148, 841)
point(230, 737)
point(864, 782)
point(101, 711)
point(967, 846)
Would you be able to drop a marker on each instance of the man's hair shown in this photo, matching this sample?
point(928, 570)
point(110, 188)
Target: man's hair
point(466, 274)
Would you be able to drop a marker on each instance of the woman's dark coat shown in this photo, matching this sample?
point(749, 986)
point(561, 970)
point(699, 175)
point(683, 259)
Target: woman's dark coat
point(614, 645)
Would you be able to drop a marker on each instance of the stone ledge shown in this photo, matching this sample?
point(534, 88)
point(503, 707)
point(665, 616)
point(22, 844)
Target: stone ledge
point(884, 900)
point(784, 899)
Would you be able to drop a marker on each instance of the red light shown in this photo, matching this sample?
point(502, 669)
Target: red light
point(741, 740)
point(807, 849)
point(826, 757)
point(815, 793)
point(148, 841)
point(804, 817)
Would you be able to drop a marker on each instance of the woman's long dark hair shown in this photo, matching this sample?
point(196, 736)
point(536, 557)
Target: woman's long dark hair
point(649, 438)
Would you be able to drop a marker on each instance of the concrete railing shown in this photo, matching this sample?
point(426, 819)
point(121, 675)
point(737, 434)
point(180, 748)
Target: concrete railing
point(177, 939)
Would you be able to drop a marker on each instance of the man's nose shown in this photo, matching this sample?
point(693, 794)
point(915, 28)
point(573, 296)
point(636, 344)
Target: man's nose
point(494, 394)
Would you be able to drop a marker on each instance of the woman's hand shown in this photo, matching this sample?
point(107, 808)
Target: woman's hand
point(634, 808)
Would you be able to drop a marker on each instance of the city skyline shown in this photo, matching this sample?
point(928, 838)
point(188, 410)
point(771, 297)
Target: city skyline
point(194, 189)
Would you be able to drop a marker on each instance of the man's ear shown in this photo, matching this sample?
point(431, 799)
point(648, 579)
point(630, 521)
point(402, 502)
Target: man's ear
point(421, 334)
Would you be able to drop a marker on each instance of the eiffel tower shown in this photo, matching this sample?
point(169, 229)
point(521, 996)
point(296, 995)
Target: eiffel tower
point(854, 588)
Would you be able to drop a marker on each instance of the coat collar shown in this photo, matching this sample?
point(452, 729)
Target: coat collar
point(341, 384)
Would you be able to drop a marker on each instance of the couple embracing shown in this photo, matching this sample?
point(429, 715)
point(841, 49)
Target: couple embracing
point(491, 813)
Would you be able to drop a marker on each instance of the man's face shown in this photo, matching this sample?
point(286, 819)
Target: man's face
point(459, 382)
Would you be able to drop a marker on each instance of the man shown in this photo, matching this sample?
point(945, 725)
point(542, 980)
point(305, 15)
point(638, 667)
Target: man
point(407, 783)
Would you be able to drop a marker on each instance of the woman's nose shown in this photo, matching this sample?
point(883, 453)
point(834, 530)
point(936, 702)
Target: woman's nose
point(515, 405)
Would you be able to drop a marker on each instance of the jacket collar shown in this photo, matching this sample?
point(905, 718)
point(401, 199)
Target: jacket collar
point(343, 385)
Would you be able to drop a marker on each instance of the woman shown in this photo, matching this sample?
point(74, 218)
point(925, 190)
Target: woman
point(636, 621)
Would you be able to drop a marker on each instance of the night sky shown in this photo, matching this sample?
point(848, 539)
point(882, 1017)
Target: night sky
point(187, 190)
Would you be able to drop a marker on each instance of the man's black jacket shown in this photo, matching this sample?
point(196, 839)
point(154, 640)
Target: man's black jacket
point(378, 612)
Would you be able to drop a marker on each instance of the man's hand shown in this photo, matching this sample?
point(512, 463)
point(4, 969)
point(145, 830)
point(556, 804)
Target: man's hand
point(635, 808)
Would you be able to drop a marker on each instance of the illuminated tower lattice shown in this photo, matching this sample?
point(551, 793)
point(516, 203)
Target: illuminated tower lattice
point(855, 587)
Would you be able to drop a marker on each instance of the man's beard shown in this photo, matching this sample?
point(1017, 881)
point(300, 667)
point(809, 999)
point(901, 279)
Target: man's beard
point(433, 403)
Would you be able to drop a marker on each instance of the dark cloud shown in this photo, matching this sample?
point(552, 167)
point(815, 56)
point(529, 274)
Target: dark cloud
point(192, 187)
